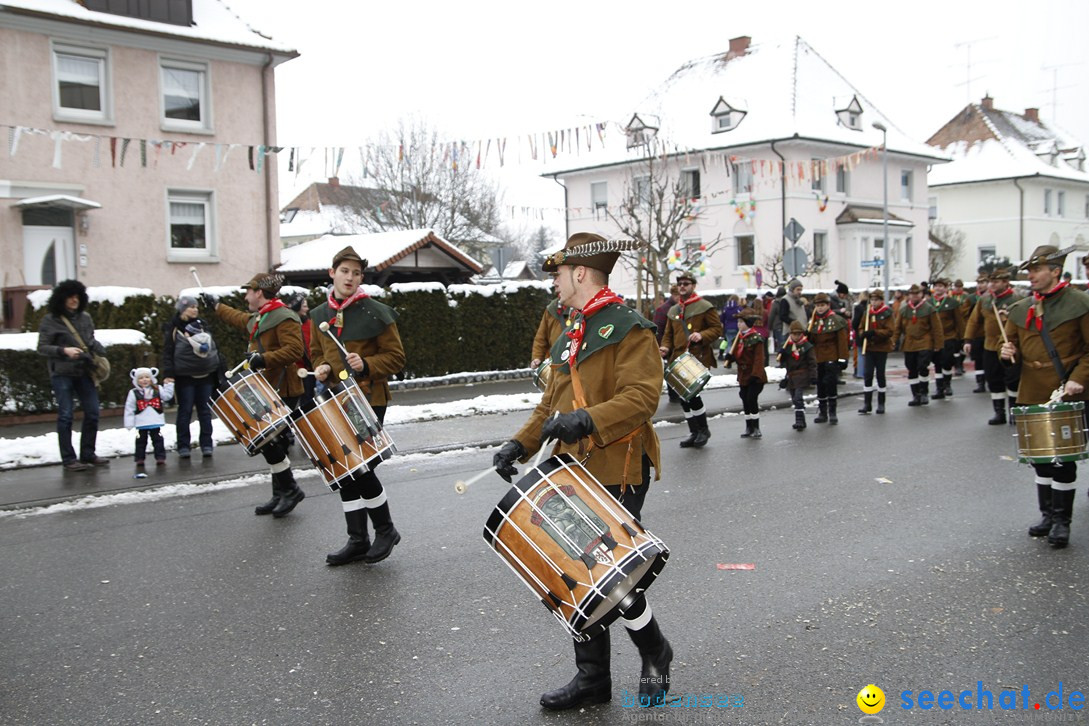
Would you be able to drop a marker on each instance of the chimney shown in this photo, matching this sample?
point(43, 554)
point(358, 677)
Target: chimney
point(738, 46)
point(987, 103)
point(1033, 115)
point(334, 182)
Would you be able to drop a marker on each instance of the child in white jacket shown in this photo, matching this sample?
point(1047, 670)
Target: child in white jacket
point(144, 412)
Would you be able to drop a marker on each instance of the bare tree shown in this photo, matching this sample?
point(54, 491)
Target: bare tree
point(657, 210)
point(775, 274)
point(950, 247)
point(417, 181)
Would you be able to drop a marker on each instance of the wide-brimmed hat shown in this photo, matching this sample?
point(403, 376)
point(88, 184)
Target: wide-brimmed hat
point(822, 297)
point(748, 315)
point(1045, 255)
point(942, 281)
point(269, 282)
point(589, 250)
point(914, 289)
point(686, 276)
point(796, 327)
point(348, 253)
point(877, 294)
point(1001, 273)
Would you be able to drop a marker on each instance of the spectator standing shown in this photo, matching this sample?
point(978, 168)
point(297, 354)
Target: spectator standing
point(191, 362)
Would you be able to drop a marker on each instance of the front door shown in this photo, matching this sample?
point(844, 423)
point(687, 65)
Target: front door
point(48, 255)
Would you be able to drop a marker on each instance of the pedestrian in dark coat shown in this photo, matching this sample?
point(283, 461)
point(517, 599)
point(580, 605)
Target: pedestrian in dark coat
point(799, 358)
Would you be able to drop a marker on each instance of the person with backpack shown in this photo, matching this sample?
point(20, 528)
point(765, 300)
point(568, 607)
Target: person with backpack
point(191, 361)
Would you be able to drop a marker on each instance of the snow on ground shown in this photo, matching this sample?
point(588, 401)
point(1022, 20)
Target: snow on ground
point(106, 336)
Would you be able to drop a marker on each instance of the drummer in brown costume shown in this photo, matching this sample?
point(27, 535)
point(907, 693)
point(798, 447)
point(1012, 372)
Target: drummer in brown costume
point(554, 321)
point(275, 335)
point(829, 335)
point(876, 336)
point(749, 352)
point(1049, 331)
point(922, 333)
point(368, 330)
point(693, 326)
point(951, 315)
point(605, 386)
point(1002, 380)
point(800, 361)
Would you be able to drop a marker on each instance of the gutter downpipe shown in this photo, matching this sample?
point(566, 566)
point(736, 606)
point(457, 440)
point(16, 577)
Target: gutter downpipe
point(266, 134)
point(566, 221)
point(1021, 222)
point(783, 199)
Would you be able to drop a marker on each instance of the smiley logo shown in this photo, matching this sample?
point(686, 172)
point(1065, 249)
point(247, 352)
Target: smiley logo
point(871, 699)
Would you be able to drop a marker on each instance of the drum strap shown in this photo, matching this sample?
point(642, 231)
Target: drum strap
point(1054, 355)
point(629, 439)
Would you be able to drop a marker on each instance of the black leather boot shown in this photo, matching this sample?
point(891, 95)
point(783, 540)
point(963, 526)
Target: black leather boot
point(833, 419)
point(692, 431)
point(703, 434)
point(1043, 496)
point(822, 410)
point(270, 505)
point(291, 494)
point(981, 384)
point(939, 388)
point(867, 402)
point(1062, 511)
point(592, 684)
point(756, 429)
point(359, 540)
point(799, 419)
point(999, 417)
point(657, 654)
point(748, 429)
point(948, 384)
point(880, 402)
point(385, 534)
point(915, 398)
point(924, 389)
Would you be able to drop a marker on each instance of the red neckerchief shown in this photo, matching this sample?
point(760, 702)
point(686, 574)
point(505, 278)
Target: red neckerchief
point(1040, 297)
point(685, 303)
point(1004, 293)
point(821, 319)
point(747, 333)
point(265, 310)
point(795, 346)
point(337, 320)
point(880, 310)
point(914, 308)
point(601, 298)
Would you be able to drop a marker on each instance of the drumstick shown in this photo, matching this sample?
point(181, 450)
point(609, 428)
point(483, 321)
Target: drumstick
point(324, 327)
point(193, 272)
point(540, 451)
point(303, 373)
point(1002, 329)
point(463, 486)
point(244, 364)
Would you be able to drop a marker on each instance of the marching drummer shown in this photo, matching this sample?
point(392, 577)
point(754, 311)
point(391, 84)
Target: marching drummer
point(604, 390)
point(275, 343)
point(693, 326)
point(1049, 333)
point(554, 321)
point(984, 333)
point(368, 331)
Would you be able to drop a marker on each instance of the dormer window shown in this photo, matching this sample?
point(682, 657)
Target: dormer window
point(1047, 151)
point(1075, 158)
point(639, 132)
point(725, 117)
point(850, 115)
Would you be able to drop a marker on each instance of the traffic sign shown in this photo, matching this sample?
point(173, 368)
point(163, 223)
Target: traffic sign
point(794, 230)
point(876, 262)
point(794, 261)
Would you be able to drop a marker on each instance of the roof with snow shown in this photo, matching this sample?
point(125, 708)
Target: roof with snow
point(213, 22)
point(382, 250)
point(989, 144)
point(769, 92)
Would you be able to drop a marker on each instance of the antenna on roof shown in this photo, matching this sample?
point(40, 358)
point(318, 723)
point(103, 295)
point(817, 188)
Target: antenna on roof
point(967, 44)
point(1055, 87)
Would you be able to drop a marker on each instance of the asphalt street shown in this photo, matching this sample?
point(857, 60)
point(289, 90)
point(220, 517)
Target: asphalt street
point(888, 550)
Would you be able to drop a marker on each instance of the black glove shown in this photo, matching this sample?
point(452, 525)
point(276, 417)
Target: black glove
point(504, 459)
point(257, 361)
point(842, 364)
point(208, 300)
point(868, 334)
point(568, 427)
point(729, 358)
point(783, 384)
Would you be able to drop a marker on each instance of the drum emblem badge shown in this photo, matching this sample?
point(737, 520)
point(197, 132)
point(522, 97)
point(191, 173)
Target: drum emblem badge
point(570, 523)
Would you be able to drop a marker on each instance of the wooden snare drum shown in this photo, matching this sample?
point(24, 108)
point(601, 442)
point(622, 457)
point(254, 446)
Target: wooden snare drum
point(252, 410)
point(342, 434)
point(574, 545)
point(687, 376)
point(1051, 433)
point(543, 375)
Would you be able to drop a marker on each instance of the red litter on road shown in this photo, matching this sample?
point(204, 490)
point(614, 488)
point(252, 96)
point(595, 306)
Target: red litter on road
point(736, 566)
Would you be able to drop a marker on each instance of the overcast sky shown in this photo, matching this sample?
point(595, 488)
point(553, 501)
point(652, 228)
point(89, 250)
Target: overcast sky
point(488, 69)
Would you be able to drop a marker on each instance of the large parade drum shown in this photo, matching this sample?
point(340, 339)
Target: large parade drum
point(342, 434)
point(543, 375)
point(1051, 433)
point(574, 545)
point(687, 376)
point(252, 410)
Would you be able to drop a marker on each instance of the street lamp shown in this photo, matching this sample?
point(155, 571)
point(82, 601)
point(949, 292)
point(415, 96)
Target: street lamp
point(885, 203)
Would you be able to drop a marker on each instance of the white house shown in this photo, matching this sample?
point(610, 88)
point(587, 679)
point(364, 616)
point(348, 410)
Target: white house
point(1015, 183)
point(760, 135)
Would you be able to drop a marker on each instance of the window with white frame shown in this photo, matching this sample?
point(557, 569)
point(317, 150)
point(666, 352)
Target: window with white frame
point(820, 247)
point(896, 245)
point(906, 181)
point(691, 248)
point(81, 85)
point(843, 179)
point(1047, 202)
point(816, 167)
point(1060, 203)
point(185, 95)
point(599, 198)
point(742, 177)
point(1087, 206)
point(986, 252)
point(189, 216)
point(690, 182)
point(879, 249)
point(642, 189)
point(908, 256)
point(746, 250)
point(932, 213)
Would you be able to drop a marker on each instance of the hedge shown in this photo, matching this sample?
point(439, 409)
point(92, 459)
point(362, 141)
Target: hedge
point(460, 329)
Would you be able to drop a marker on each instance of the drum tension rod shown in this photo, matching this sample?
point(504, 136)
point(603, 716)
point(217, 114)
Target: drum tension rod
point(608, 541)
point(588, 561)
point(555, 600)
point(569, 581)
point(629, 529)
